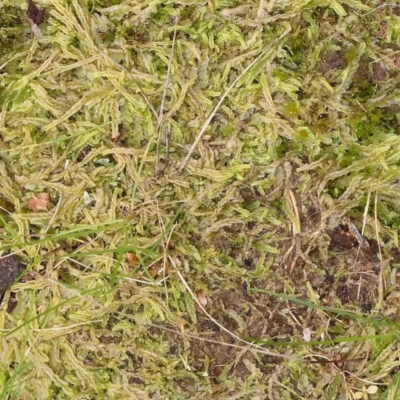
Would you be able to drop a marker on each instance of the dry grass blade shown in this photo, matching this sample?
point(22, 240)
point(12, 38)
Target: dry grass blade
point(366, 209)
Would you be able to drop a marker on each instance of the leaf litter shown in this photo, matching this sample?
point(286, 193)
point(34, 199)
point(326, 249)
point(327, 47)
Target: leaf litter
point(280, 162)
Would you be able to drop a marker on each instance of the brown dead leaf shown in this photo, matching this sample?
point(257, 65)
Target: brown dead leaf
point(132, 259)
point(39, 202)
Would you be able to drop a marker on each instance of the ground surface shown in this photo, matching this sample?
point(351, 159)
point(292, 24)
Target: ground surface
point(112, 228)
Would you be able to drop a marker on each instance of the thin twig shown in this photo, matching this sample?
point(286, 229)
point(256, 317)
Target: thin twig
point(6, 211)
point(386, 56)
point(165, 245)
point(164, 95)
point(11, 254)
point(165, 263)
point(381, 6)
point(221, 100)
point(366, 381)
point(167, 133)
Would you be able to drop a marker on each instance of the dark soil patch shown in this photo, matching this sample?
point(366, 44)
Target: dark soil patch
point(10, 269)
point(34, 13)
point(368, 75)
point(332, 61)
point(379, 72)
point(341, 238)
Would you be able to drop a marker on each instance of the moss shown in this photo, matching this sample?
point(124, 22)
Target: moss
point(306, 137)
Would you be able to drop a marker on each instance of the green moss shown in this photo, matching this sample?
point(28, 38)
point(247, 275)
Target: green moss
point(306, 136)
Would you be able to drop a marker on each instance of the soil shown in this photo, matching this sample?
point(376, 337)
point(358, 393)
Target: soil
point(10, 269)
point(347, 275)
point(368, 74)
point(332, 61)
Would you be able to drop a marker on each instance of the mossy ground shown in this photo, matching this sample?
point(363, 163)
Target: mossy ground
point(310, 135)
